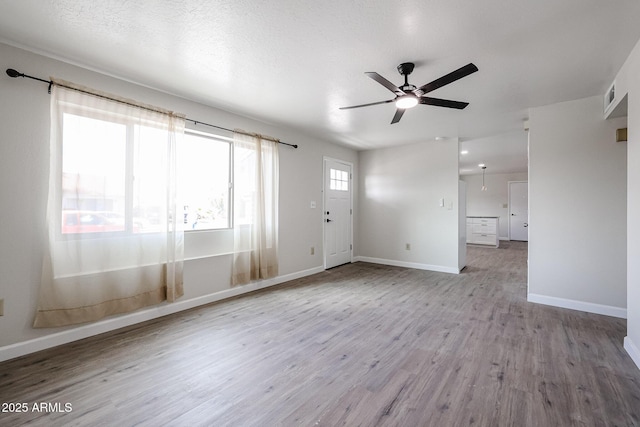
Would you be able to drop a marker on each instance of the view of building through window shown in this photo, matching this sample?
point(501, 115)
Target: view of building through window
point(93, 175)
point(113, 173)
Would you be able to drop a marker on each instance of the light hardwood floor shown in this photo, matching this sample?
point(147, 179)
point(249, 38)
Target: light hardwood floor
point(360, 344)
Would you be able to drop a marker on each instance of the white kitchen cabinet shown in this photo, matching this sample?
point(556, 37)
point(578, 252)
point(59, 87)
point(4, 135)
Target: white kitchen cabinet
point(483, 230)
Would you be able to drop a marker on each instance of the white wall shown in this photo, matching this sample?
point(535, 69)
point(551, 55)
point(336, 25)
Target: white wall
point(628, 83)
point(493, 201)
point(400, 190)
point(462, 225)
point(577, 208)
point(24, 136)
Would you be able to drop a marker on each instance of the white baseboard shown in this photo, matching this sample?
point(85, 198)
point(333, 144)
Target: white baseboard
point(633, 351)
point(588, 307)
point(84, 331)
point(415, 265)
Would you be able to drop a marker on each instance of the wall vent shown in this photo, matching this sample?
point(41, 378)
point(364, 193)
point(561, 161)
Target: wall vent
point(610, 97)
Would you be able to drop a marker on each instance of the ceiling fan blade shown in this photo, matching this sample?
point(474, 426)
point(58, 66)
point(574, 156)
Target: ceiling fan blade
point(446, 79)
point(366, 105)
point(442, 102)
point(386, 83)
point(398, 115)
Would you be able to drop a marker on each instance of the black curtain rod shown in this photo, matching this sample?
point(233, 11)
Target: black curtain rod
point(13, 73)
point(196, 122)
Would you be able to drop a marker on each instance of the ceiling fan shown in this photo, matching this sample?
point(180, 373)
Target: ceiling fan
point(408, 96)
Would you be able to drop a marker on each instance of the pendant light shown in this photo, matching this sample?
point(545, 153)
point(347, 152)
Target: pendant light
point(484, 187)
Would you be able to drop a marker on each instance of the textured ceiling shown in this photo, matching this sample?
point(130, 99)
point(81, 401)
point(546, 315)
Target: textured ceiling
point(295, 62)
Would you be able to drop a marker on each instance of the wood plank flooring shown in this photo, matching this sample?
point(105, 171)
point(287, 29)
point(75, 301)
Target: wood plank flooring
point(358, 345)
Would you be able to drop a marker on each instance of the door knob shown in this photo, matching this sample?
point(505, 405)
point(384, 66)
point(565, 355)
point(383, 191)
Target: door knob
point(513, 214)
point(526, 225)
point(328, 220)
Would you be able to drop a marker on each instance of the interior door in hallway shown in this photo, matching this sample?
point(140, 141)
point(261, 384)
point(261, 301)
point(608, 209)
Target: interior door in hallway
point(337, 213)
point(519, 211)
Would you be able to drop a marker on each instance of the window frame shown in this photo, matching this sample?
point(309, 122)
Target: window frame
point(338, 179)
point(129, 172)
point(230, 197)
point(129, 124)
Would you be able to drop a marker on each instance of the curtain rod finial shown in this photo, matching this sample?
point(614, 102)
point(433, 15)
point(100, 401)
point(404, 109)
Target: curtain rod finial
point(13, 73)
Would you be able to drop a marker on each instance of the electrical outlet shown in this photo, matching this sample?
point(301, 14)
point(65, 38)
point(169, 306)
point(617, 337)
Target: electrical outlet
point(313, 250)
point(2, 307)
point(408, 246)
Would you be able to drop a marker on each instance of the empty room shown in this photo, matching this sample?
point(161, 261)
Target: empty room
point(296, 213)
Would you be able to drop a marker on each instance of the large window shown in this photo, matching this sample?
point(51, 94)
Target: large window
point(105, 184)
point(204, 181)
point(109, 176)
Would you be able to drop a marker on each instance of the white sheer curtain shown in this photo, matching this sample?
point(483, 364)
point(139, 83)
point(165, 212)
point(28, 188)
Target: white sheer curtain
point(114, 242)
point(255, 213)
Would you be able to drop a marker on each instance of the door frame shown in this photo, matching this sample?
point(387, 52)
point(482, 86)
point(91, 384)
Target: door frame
point(509, 201)
point(326, 159)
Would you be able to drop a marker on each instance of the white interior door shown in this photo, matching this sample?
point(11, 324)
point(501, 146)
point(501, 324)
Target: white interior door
point(519, 211)
point(337, 213)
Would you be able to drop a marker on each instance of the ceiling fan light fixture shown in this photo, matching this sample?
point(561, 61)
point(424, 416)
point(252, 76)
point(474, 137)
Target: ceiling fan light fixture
point(407, 101)
point(408, 96)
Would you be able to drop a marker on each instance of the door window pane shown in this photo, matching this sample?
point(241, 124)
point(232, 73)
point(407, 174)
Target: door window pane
point(338, 180)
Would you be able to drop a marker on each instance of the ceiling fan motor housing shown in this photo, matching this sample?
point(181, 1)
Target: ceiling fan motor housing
point(406, 68)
